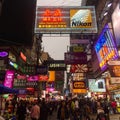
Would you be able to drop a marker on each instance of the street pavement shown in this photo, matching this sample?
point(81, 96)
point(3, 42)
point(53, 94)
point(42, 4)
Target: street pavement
point(92, 116)
point(112, 117)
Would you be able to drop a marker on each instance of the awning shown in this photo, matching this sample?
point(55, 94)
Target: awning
point(5, 90)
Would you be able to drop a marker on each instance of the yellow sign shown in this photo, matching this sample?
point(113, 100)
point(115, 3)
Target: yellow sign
point(78, 49)
point(79, 90)
point(51, 76)
point(81, 18)
point(79, 87)
point(107, 58)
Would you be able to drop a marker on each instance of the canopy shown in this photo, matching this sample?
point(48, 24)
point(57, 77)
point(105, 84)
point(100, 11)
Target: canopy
point(5, 90)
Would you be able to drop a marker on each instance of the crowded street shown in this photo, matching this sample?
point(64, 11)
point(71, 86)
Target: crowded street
point(59, 59)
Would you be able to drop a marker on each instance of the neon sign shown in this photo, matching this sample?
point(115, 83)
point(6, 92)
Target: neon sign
point(105, 48)
point(52, 16)
point(23, 56)
point(63, 19)
point(52, 19)
point(9, 77)
point(3, 54)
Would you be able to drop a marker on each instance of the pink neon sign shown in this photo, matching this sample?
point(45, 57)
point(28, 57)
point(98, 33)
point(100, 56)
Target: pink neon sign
point(9, 77)
point(33, 78)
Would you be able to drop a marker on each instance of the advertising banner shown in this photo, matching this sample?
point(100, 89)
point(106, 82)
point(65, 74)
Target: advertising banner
point(56, 65)
point(75, 58)
point(32, 78)
point(51, 76)
point(43, 77)
point(114, 70)
point(9, 78)
point(65, 19)
point(115, 74)
point(97, 85)
point(106, 48)
point(79, 87)
point(78, 68)
point(3, 53)
point(115, 80)
point(78, 76)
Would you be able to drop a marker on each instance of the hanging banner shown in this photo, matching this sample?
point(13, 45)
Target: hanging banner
point(65, 19)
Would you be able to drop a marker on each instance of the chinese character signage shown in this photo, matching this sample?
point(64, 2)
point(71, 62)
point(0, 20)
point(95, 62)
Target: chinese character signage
point(65, 20)
point(105, 48)
point(9, 77)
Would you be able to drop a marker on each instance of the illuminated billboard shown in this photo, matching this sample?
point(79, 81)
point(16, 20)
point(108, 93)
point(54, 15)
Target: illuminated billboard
point(105, 47)
point(65, 20)
point(97, 85)
point(79, 87)
point(9, 78)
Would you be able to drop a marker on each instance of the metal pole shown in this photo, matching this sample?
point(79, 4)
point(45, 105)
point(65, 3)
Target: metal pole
point(38, 51)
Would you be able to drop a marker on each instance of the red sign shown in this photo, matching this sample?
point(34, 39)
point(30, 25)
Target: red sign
point(52, 16)
point(43, 78)
point(75, 58)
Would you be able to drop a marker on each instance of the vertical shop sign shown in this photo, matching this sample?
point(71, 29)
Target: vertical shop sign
point(9, 77)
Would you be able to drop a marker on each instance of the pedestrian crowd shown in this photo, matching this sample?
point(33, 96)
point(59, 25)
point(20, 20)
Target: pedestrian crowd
point(72, 109)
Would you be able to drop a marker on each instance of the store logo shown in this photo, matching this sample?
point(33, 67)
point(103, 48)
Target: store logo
point(81, 18)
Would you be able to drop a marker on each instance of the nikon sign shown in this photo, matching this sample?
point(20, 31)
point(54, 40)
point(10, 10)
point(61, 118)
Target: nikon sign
point(81, 18)
point(57, 19)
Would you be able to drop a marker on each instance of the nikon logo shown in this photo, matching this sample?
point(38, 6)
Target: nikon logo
point(81, 18)
point(79, 23)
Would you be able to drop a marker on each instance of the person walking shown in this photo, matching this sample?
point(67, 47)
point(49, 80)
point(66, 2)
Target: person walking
point(21, 110)
point(35, 112)
point(63, 112)
point(44, 110)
